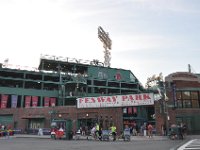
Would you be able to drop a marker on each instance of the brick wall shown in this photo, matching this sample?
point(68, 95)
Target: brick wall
point(21, 115)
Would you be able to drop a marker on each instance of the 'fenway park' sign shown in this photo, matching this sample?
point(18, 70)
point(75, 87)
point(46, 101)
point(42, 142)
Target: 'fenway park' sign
point(116, 101)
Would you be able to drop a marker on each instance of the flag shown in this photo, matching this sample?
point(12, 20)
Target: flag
point(130, 110)
point(34, 101)
point(174, 94)
point(14, 99)
point(4, 101)
point(53, 101)
point(135, 110)
point(27, 101)
point(46, 101)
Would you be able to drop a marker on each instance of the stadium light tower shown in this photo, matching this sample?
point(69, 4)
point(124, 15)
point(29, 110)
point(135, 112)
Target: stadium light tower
point(107, 43)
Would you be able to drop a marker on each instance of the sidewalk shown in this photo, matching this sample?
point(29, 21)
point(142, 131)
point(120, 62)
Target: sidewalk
point(133, 138)
point(32, 136)
point(138, 138)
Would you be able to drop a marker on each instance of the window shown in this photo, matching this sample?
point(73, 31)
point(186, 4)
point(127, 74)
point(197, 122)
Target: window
point(194, 95)
point(178, 96)
point(195, 99)
point(186, 104)
point(187, 99)
point(179, 104)
point(195, 104)
point(186, 95)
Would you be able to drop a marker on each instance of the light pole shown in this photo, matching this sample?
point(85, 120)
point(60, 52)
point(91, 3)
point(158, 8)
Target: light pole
point(107, 43)
point(157, 84)
point(52, 113)
point(61, 86)
point(164, 101)
point(87, 120)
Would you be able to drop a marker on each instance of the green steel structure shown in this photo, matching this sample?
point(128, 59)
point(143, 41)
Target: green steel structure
point(64, 80)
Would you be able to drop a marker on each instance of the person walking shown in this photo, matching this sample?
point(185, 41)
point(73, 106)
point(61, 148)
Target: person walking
point(83, 131)
point(40, 132)
point(97, 131)
point(113, 130)
point(150, 129)
point(127, 133)
point(144, 129)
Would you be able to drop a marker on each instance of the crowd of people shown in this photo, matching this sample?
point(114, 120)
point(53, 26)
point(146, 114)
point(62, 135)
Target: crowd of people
point(6, 131)
point(131, 130)
point(174, 131)
point(97, 131)
point(147, 129)
point(177, 131)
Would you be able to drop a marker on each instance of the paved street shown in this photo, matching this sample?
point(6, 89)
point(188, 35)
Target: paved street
point(25, 142)
point(191, 145)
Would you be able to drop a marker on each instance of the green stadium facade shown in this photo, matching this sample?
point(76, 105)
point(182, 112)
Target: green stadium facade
point(31, 99)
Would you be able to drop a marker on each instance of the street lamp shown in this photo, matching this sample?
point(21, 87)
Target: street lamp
point(86, 126)
point(52, 112)
point(87, 119)
point(60, 115)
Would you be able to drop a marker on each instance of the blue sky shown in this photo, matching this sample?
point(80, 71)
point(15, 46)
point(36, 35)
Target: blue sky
point(148, 36)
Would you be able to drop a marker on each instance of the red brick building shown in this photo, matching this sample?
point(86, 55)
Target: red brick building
point(183, 102)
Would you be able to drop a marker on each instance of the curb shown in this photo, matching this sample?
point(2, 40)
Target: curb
point(32, 136)
point(133, 138)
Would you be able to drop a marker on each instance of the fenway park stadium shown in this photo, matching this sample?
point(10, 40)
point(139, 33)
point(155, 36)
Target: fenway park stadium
point(84, 92)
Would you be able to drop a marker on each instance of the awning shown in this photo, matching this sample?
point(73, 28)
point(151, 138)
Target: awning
point(33, 117)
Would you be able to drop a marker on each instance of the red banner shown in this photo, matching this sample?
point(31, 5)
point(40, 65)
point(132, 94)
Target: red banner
point(46, 101)
point(4, 101)
point(27, 101)
point(34, 101)
point(135, 110)
point(53, 101)
point(130, 110)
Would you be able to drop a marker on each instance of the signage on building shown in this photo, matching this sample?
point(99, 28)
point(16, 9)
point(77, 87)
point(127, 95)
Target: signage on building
point(116, 101)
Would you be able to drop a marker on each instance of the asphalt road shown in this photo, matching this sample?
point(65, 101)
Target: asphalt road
point(191, 145)
point(49, 144)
